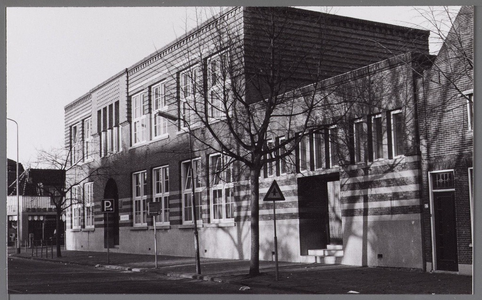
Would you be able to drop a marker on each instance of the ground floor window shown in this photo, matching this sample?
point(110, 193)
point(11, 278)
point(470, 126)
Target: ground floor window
point(191, 188)
point(161, 192)
point(139, 188)
point(222, 188)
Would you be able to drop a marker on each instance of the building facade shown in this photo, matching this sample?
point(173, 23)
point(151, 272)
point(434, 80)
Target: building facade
point(353, 186)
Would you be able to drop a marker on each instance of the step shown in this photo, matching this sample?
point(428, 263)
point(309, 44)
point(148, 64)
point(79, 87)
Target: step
point(326, 252)
point(328, 260)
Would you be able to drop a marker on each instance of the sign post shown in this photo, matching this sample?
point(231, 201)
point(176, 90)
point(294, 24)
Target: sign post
point(274, 194)
point(154, 209)
point(108, 208)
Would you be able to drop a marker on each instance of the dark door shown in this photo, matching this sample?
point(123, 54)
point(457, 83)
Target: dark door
point(111, 220)
point(445, 234)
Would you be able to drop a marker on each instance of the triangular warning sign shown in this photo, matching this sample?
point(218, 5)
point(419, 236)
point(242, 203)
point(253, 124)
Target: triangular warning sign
point(274, 193)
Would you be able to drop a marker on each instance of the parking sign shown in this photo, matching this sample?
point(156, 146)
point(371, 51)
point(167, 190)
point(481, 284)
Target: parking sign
point(108, 206)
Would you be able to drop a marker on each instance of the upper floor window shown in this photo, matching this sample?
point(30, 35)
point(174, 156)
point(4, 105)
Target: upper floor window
point(319, 150)
point(161, 192)
point(89, 204)
point(139, 118)
point(75, 144)
point(283, 158)
point(159, 103)
point(270, 169)
point(469, 95)
point(222, 188)
point(218, 86)
point(191, 104)
point(359, 139)
point(304, 153)
point(397, 136)
point(377, 137)
point(191, 188)
point(333, 146)
point(139, 198)
point(108, 129)
point(88, 147)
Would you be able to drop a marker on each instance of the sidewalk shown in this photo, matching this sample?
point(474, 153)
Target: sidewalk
point(294, 278)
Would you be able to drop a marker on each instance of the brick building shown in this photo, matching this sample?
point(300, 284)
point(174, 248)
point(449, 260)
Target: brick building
point(356, 199)
point(447, 141)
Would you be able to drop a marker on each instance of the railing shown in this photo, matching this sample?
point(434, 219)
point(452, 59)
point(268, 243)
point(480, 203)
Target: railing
point(43, 247)
point(29, 203)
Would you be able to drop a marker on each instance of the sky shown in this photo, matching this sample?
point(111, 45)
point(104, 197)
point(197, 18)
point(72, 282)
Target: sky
point(56, 55)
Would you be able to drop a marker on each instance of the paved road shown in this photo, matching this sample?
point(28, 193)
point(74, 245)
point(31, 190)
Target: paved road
point(40, 277)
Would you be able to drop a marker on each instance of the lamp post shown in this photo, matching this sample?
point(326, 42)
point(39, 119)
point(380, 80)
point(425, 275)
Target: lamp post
point(18, 192)
point(196, 234)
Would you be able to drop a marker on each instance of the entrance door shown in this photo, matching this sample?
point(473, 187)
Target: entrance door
point(445, 234)
point(111, 222)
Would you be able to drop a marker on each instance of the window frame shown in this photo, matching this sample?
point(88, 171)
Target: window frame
point(76, 207)
point(216, 108)
point(304, 157)
point(161, 196)
point(394, 135)
point(332, 146)
point(89, 204)
point(140, 198)
point(139, 119)
point(359, 140)
point(159, 104)
point(469, 98)
point(75, 144)
point(376, 128)
point(186, 191)
point(188, 96)
point(224, 185)
point(319, 149)
point(282, 166)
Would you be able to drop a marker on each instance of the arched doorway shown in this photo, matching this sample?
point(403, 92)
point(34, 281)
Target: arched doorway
point(112, 226)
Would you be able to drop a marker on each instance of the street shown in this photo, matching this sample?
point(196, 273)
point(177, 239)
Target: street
point(27, 276)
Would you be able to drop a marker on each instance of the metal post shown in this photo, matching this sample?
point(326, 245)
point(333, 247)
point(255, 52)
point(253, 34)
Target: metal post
point(196, 234)
point(108, 241)
point(155, 241)
point(17, 188)
point(275, 240)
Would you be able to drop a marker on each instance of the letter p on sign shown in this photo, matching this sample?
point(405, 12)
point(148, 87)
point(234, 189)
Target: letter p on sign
point(108, 206)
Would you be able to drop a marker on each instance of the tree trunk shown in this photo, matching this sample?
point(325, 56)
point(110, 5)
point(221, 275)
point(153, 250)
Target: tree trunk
point(58, 235)
point(254, 263)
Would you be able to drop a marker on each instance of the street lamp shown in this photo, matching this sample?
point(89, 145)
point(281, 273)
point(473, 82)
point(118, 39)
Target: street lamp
point(196, 234)
point(18, 192)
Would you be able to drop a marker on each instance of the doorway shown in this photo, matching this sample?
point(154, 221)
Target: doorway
point(445, 231)
point(111, 220)
point(319, 212)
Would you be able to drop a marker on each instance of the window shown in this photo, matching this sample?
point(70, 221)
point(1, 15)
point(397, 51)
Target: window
point(139, 119)
point(191, 180)
point(159, 103)
point(108, 129)
point(333, 147)
point(469, 95)
point(161, 192)
point(222, 188)
point(319, 149)
point(359, 140)
point(377, 137)
point(88, 148)
point(270, 170)
point(218, 86)
point(397, 128)
point(139, 189)
point(442, 180)
point(76, 203)
point(89, 204)
point(304, 154)
point(75, 144)
point(282, 165)
point(190, 82)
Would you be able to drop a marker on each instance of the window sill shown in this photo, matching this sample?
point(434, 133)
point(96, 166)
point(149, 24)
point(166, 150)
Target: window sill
point(189, 226)
point(221, 224)
point(76, 230)
point(140, 228)
point(90, 229)
point(161, 227)
point(160, 137)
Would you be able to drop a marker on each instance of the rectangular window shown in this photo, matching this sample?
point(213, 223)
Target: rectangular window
point(270, 169)
point(222, 187)
point(191, 177)
point(161, 192)
point(139, 120)
point(75, 144)
point(359, 139)
point(89, 204)
point(218, 86)
point(397, 135)
point(304, 153)
point(76, 203)
point(190, 86)
point(282, 161)
point(159, 124)
point(443, 180)
point(139, 197)
point(377, 137)
point(333, 146)
point(470, 109)
point(88, 148)
point(319, 149)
